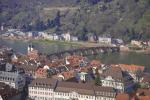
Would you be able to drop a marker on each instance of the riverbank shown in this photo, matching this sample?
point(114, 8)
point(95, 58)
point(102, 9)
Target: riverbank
point(77, 44)
point(128, 50)
point(59, 42)
point(43, 41)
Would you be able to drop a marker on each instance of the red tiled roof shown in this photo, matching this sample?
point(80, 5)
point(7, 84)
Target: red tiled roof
point(33, 54)
point(129, 67)
point(41, 72)
point(56, 63)
point(132, 96)
point(74, 59)
point(122, 96)
point(67, 75)
point(95, 62)
point(144, 98)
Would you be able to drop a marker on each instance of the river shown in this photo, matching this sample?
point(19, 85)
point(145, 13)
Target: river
point(111, 58)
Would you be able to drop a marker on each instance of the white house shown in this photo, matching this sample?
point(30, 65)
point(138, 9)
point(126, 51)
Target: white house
point(67, 36)
point(29, 34)
point(74, 38)
point(42, 33)
point(136, 43)
point(55, 37)
point(50, 37)
point(104, 40)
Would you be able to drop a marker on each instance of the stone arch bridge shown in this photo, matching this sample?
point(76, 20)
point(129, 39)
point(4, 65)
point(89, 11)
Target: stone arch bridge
point(83, 52)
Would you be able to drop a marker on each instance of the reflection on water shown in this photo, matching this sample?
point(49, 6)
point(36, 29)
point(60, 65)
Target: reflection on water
point(21, 46)
point(125, 58)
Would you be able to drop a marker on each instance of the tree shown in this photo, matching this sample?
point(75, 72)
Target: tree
point(97, 78)
point(49, 74)
point(98, 81)
point(40, 26)
point(50, 23)
point(57, 19)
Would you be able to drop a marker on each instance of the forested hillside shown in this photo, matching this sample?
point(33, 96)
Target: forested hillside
point(127, 19)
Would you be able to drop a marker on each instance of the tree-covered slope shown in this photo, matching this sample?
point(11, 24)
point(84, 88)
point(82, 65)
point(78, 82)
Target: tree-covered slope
point(127, 19)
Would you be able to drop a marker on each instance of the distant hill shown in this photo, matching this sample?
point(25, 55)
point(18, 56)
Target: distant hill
point(127, 19)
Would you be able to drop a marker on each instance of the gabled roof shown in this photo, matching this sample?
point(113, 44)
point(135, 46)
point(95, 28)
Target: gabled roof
point(144, 97)
point(95, 63)
point(83, 88)
point(44, 83)
point(80, 88)
point(129, 67)
point(27, 67)
point(114, 72)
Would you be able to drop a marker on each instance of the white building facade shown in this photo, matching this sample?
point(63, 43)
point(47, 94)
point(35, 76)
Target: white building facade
point(110, 82)
point(67, 36)
point(68, 91)
point(104, 40)
point(14, 78)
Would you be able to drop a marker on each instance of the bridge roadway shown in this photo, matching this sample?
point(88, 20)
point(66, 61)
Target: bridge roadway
point(84, 51)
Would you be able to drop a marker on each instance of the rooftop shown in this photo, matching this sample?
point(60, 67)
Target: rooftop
point(95, 62)
point(146, 78)
point(122, 96)
point(74, 87)
point(143, 92)
point(114, 72)
point(144, 97)
point(83, 88)
point(7, 92)
point(129, 67)
point(43, 82)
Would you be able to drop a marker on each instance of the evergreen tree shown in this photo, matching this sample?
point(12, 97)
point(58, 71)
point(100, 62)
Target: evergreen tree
point(98, 81)
point(57, 19)
point(97, 78)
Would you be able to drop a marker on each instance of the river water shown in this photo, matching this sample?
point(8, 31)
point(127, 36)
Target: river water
point(111, 58)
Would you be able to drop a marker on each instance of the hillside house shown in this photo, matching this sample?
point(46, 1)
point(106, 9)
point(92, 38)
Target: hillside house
point(67, 36)
point(74, 38)
point(105, 40)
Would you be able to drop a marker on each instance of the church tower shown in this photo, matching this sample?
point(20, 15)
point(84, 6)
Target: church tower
point(32, 53)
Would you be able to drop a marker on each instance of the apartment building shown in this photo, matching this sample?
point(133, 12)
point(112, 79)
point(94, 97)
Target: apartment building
point(113, 77)
point(12, 76)
point(50, 89)
point(42, 89)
